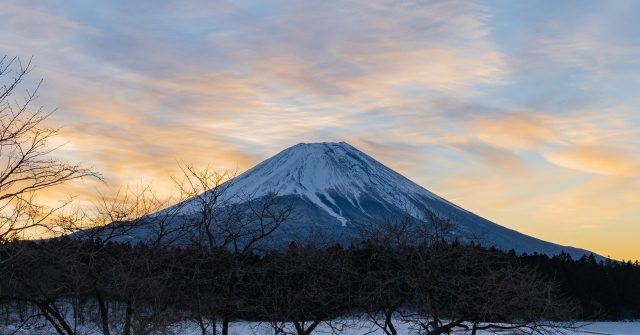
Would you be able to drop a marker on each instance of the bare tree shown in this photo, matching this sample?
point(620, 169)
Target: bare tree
point(216, 219)
point(425, 227)
point(114, 217)
point(458, 287)
point(386, 279)
point(26, 162)
point(39, 276)
point(303, 288)
point(449, 286)
point(219, 219)
point(142, 285)
point(383, 285)
point(205, 189)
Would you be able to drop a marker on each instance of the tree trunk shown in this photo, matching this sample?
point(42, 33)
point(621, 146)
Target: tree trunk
point(53, 322)
point(225, 324)
point(127, 319)
point(104, 313)
point(203, 327)
point(300, 328)
point(55, 318)
point(388, 321)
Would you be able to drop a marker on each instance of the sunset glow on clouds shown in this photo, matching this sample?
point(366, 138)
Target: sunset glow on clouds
point(526, 112)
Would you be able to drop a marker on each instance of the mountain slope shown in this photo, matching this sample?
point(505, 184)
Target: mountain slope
point(337, 193)
point(335, 188)
point(325, 174)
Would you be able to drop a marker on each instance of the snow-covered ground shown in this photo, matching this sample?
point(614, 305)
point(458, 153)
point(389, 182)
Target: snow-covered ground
point(345, 328)
point(596, 328)
point(617, 328)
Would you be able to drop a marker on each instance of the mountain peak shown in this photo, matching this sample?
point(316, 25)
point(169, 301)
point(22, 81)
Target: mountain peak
point(319, 146)
point(336, 188)
point(320, 171)
point(341, 143)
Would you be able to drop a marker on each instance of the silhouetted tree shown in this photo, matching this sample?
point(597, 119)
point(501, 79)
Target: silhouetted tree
point(26, 162)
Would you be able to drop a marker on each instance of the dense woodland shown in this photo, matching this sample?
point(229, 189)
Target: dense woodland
point(604, 289)
point(123, 289)
point(140, 289)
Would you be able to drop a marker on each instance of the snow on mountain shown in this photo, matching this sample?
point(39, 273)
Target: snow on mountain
point(318, 170)
point(335, 187)
point(337, 193)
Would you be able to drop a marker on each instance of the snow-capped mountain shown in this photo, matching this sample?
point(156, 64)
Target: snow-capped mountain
point(351, 188)
point(337, 189)
point(336, 178)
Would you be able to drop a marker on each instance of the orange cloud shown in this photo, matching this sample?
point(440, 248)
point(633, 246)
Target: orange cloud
point(514, 131)
point(599, 214)
point(407, 82)
point(496, 157)
point(593, 159)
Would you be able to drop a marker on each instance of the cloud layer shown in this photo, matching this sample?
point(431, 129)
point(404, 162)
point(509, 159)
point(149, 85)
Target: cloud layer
point(521, 112)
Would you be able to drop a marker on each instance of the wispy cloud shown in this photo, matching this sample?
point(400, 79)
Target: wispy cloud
point(520, 112)
point(594, 160)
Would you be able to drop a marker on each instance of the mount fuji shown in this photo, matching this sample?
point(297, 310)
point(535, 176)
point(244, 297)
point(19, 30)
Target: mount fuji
point(336, 189)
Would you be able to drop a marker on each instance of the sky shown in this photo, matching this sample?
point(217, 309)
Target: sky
point(524, 112)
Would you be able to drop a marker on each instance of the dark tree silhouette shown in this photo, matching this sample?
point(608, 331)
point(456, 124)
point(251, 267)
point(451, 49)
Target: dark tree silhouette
point(26, 162)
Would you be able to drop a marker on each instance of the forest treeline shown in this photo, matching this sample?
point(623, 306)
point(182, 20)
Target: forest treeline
point(605, 289)
point(441, 287)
